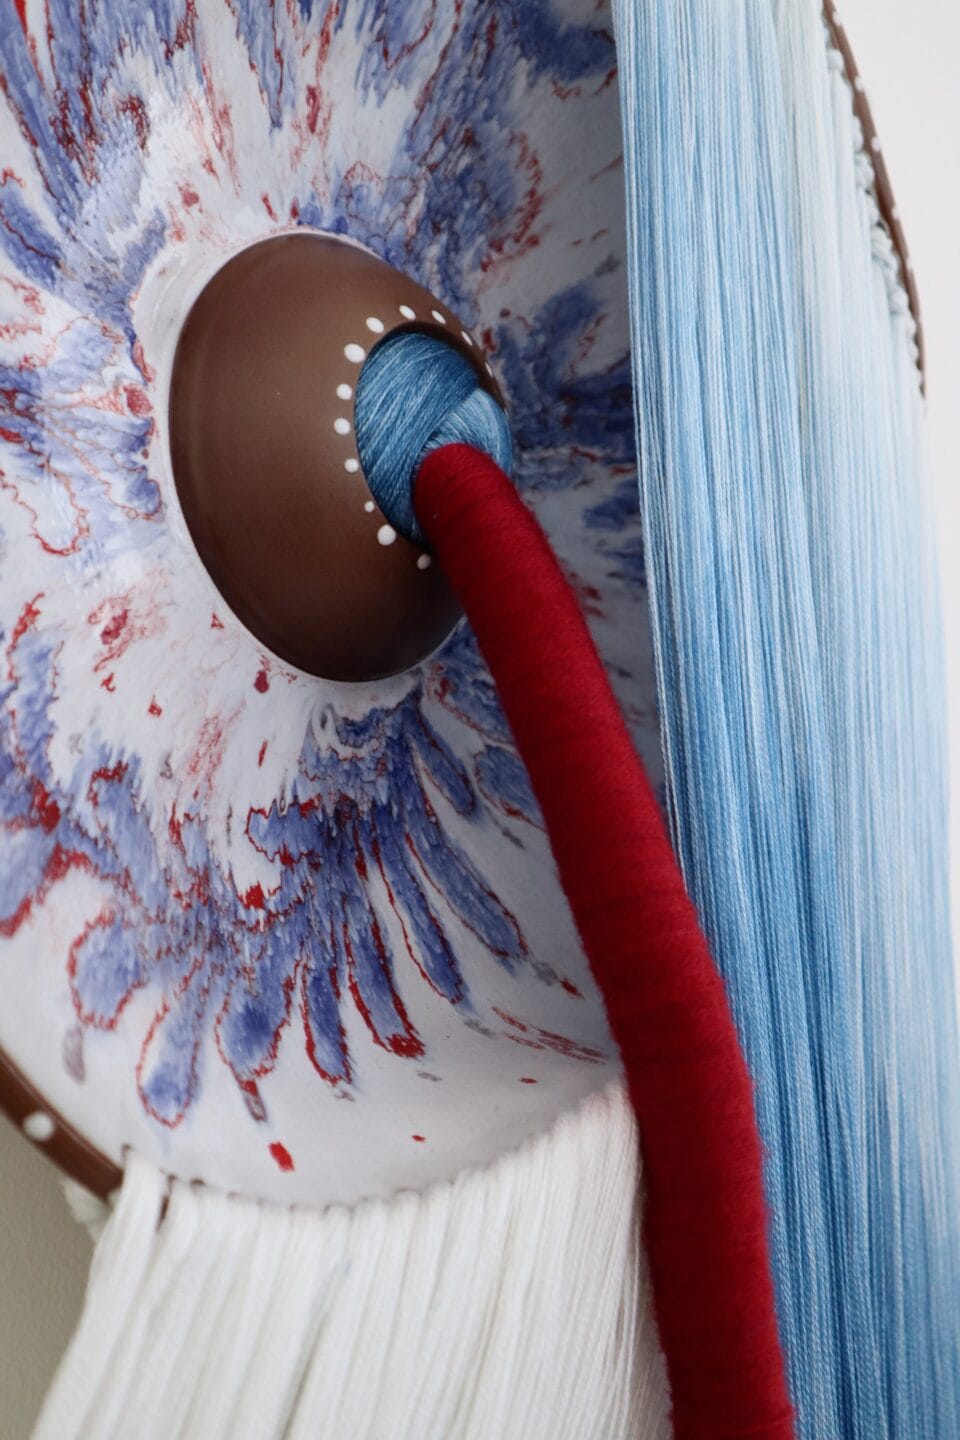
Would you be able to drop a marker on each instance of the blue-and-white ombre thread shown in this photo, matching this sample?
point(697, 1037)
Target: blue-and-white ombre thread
point(415, 394)
point(794, 603)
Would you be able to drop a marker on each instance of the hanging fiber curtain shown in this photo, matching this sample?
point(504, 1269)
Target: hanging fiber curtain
point(795, 607)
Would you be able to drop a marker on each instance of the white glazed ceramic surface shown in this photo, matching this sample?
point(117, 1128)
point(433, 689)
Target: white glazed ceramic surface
point(297, 939)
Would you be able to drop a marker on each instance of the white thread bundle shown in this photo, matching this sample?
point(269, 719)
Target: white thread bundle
point(510, 1304)
point(87, 1209)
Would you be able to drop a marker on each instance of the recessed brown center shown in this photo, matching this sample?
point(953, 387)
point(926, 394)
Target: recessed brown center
point(265, 457)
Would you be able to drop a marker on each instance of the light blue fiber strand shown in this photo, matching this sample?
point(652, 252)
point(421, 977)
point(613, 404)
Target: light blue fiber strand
point(794, 607)
point(415, 394)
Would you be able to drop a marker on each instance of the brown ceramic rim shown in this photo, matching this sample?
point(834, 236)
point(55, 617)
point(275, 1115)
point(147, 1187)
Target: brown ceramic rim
point(66, 1147)
point(886, 204)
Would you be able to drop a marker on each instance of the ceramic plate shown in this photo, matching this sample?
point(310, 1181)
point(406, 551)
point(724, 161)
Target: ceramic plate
point(298, 939)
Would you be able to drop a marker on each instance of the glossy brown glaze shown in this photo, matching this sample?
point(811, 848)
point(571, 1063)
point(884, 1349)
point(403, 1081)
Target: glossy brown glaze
point(21, 1103)
point(265, 458)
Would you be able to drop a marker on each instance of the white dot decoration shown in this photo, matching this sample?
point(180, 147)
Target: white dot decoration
point(369, 506)
point(468, 337)
point(875, 143)
point(386, 535)
point(407, 313)
point(344, 392)
point(39, 1126)
point(440, 319)
point(354, 353)
point(424, 562)
point(375, 324)
point(352, 465)
point(342, 425)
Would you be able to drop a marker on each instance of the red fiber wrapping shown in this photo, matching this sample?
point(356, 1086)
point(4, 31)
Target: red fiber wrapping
point(705, 1220)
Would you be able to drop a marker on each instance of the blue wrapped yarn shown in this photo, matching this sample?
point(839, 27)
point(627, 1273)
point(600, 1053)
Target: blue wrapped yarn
point(416, 393)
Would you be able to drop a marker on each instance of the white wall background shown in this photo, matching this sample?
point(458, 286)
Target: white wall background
point(907, 54)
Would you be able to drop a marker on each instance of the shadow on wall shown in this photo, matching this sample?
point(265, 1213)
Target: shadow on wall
point(44, 1257)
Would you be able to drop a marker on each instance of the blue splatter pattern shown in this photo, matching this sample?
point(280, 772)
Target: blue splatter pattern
point(246, 851)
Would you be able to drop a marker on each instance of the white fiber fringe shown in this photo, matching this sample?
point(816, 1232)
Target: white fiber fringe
point(509, 1304)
